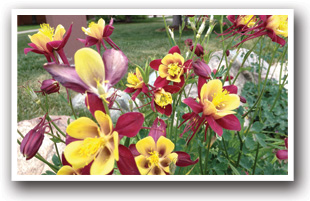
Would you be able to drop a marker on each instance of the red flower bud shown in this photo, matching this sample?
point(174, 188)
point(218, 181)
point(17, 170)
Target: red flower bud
point(50, 86)
point(201, 69)
point(199, 51)
point(188, 42)
point(227, 53)
point(33, 140)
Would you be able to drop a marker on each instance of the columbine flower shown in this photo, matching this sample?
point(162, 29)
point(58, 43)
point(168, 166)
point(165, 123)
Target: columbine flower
point(135, 84)
point(283, 154)
point(99, 145)
point(188, 42)
point(216, 104)
point(92, 73)
point(162, 100)
point(171, 68)
point(97, 33)
point(46, 41)
point(49, 86)
point(154, 154)
point(273, 26)
point(32, 141)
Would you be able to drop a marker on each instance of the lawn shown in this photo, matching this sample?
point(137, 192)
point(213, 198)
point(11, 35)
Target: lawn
point(141, 41)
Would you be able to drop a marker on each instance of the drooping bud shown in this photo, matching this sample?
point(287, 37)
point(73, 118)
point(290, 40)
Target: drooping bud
point(227, 53)
point(199, 51)
point(50, 86)
point(201, 69)
point(33, 139)
point(188, 42)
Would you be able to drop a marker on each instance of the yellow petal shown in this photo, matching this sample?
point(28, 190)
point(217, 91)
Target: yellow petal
point(145, 146)
point(220, 114)
point(208, 108)
point(103, 164)
point(138, 74)
point(40, 40)
point(157, 171)
point(231, 102)
point(59, 32)
point(82, 128)
point(66, 170)
point(164, 146)
point(104, 121)
point(89, 66)
point(116, 143)
point(170, 158)
point(142, 164)
point(210, 88)
point(73, 155)
point(178, 58)
point(163, 71)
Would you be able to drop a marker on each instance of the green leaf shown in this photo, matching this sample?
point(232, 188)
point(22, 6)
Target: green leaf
point(261, 139)
point(249, 142)
point(49, 173)
point(257, 127)
point(56, 160)
point(56, 140)
point(235, 171)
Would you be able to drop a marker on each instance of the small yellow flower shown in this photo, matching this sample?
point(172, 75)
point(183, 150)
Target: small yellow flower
point(46, 34)
point(97, 144)
point(216, 101)
point(162, 98)
point(279, 24)
point(171, 67)
point(156, 157)
point(135, 81)
point(95, 30)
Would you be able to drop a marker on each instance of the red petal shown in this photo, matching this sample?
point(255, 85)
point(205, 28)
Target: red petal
point(196, 107)
point(179, 84)
point(94, 103)
point(134, 96)
point(229, 122)
point(174, 49)
point(129, 124)
point(216, 127)
point(158, 130)
point(126, 163)
point(172, 89)
point(282, 154)
point(233, 89)
point(184, 159)
point(201, 82)
point(129, 90)
point(155, 64)
point(134, 150)
point(161, 82)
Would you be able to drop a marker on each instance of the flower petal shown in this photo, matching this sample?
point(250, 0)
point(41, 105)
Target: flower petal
point(129, 124)
point(155, 64)
point(208, 90)
point(74, 157)
point(184, 159)
point(127, 164)
point(104, 121)
point(82, 128)
point(157, 171)
point(282, 154)
point(216, 127)
point(208, 108)
point(89, 66)
point(142, 164)
point(229, 122)
point(94, 103)
point(116, 65)
point(145, 146)
point(158, 130)
point(174, 49)
point(231, 102)
point(66, 170)
point(103, 163)
point(164, 146)
point(67, 76)
point(196, 107)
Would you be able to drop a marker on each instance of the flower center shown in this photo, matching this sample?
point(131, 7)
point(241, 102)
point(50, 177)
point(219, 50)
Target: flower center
point(91, 146)
point(47, 30)
point(174, 69)
point(163, 98)
point(218, 98)
point(153, 159)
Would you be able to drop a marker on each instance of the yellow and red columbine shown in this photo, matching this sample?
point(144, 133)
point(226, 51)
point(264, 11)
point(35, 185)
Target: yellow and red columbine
point(47, 40)
point(216, 103)
point(97, 144)
point(155, 157)
point(135, 84)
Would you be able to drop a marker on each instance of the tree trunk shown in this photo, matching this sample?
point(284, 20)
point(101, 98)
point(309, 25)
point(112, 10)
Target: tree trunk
point(177, 21)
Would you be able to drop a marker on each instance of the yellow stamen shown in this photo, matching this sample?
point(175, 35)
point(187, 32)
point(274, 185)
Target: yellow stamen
point(218, 98)
point(248, 20)
point(153, 159)
point(47, 31)
point(91, 146)
point(174, 69)
point(102, 94)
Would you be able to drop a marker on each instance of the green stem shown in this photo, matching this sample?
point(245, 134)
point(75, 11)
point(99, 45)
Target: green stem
point(208, 150)
point(71, 106)
point(257, 150)
point(240, 151)
point(225, 148)
point(166, 27)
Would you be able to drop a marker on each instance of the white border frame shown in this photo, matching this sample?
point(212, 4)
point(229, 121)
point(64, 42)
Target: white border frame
point(289, 177)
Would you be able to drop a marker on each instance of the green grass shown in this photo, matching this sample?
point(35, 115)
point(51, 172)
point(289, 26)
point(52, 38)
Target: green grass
point(140, 41)
point(27, 27)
